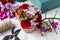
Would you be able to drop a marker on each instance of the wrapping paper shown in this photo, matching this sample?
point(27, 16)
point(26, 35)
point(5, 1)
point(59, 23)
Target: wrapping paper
point(5, 25)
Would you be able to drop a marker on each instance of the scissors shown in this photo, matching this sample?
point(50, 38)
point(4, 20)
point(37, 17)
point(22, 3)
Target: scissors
point(14, 35)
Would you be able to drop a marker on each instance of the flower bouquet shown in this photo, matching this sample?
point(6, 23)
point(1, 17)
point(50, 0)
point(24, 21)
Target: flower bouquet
point(6, 11)
point(30, 18)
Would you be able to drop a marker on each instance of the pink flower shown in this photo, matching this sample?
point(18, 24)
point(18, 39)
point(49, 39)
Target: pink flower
point(50, 30)
point(5, 11)
point(42, 28)
point(42, 33)
point(54, 24)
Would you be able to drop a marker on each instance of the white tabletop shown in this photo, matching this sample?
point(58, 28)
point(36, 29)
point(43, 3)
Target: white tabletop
point(36, 34)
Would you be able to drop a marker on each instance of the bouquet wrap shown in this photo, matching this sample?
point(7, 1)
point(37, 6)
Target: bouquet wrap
point(5, 25)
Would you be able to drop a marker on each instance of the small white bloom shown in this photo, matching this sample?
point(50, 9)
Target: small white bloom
point(33, 23)
point(32, 9)
point(30, 12)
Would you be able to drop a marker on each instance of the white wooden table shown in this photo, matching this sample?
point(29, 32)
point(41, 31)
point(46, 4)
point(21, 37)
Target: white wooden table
point(36, 34)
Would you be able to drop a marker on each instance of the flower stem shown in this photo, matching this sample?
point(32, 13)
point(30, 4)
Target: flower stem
point(46, 23)
point(55, 31)
point(55, 15)
point(45, 15)
point(52, 18)
point(46, 12)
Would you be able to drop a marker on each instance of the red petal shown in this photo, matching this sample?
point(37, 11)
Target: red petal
point(13, 13)
point(25, 24)
point(24, 6)
point(11, 1)
point(39, 19)
point(21, 7)
point(5, 1)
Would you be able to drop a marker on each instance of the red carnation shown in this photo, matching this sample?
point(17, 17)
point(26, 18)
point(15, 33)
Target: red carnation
point(19, 11)
point(11, 1)
point(39, 19)
point(25, 24)
point(24, 6)
point(5, 1)
point(13, 13)
point(21, 7)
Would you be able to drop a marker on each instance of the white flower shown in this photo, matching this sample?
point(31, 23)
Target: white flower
point(8, 5)
point(33, 23)
point(31, 11)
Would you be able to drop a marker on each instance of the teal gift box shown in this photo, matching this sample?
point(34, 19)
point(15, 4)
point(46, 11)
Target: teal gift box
point(46, 5)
